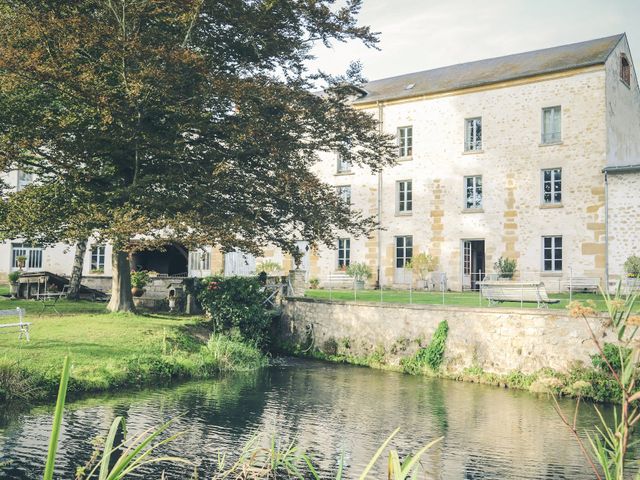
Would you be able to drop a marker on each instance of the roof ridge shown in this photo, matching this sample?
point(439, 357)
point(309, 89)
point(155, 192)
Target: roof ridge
point(619, 36)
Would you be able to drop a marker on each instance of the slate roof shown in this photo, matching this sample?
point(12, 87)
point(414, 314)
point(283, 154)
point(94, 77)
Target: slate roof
point(492, 70)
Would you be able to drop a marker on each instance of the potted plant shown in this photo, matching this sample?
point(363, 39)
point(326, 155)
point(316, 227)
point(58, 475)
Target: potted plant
point(421, 265)
point(505, 267)
point(632, 266)
point(139, 280)
point(22, 261)
point(360, 272)
point(13, 283)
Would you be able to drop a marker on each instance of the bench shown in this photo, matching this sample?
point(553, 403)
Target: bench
point(21, 326)
point(529, 292)
point(583, 284)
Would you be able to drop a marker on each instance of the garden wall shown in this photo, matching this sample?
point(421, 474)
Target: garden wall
point(499, 340)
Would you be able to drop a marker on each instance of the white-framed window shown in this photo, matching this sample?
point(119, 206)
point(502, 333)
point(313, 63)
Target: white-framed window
point(344, 252)
point(97, 258)
point(551, 124)
point(404, 250)
point(552, 186)
point(199, 260)
point(344, 192)
point(404, 196)
point(473, 192)
point(405, 141)
point(552, 254)
point(344, 165)
point(32, 253)
point(473, 134)
point(24, 179)
point(625, 70)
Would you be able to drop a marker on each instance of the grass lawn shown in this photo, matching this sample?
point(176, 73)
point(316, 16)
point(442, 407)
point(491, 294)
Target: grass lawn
point(110, 350)
point(459, 299)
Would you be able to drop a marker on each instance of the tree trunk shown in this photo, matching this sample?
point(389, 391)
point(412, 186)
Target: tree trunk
point(121, 298)
point(76, 272)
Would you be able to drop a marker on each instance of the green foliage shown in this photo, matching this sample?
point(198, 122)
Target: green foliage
point(269, 266)
point(228, 355)
point(140, 278)
point(431, 356)
point(632, 266)
point(14, 276)
point(15, 383)
point(330, 346)
point(506, 267)
point(314, 283)
point(182, 91)
point(359, 271)
point(57, 420)
point(612, 354)
point(236, 307)
point(422, 264)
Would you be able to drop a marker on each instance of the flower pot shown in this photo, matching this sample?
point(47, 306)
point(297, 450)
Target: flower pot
point(359, 284)
point(13, 289)
point(137, 292)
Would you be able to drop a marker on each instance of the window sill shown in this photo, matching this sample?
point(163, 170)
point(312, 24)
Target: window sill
point(551, 274)
point(404, 214)
point(550, 144)
point(405, 159)
point(343, 174)
point(472, 152)
point(546, 206)
point(472, 210)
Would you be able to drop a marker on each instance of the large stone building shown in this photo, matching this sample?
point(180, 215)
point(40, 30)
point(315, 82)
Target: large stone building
point(533, 156)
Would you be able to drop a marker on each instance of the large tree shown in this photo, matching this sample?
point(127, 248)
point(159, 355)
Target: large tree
point(190, 120)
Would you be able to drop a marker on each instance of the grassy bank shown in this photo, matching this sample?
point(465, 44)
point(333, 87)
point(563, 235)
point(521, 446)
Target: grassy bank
point(111, 351)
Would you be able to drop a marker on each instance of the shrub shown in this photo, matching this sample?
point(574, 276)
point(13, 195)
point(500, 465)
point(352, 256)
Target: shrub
point(330, 346)
point(612, 354)
point(14, 276)
point(632, 266)
point(431, 356)
point(140, 278)
point(314, 283)
point(236, 306)
point(224, 354)
point(269, 266)
point(506, 267)
point(422, 264)
point(359, 271)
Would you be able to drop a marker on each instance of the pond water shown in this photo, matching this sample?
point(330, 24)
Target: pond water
point(332, 410)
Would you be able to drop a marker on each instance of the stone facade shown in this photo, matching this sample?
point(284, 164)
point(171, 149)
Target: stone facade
point(600, 127)
point(498, 340)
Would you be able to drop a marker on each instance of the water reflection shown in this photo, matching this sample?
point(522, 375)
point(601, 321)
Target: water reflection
point(332, 411)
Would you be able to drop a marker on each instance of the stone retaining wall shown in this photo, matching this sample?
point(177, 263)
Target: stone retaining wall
point(499, 340)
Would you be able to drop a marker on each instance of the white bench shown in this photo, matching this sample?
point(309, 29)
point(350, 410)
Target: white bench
point(21, 326)
point(529, 292)
point(583, 284)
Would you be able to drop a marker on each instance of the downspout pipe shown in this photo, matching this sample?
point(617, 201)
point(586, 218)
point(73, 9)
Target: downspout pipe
point(606, 230)
point(379, 260)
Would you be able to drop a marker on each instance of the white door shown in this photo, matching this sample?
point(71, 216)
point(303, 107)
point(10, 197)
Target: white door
point(239, 264)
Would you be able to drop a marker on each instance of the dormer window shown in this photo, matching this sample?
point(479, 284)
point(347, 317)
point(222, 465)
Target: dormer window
point(625, 70)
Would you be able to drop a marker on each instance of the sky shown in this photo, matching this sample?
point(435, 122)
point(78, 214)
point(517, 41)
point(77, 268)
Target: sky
point(423, 34)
